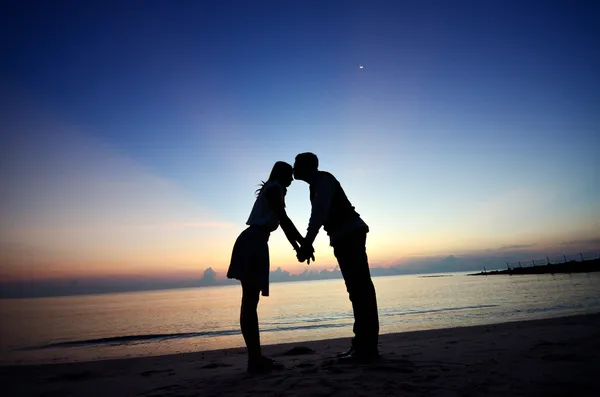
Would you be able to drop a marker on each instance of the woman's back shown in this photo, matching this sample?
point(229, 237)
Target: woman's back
point(262, 214)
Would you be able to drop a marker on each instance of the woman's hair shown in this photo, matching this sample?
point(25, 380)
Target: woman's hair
point(281, 170)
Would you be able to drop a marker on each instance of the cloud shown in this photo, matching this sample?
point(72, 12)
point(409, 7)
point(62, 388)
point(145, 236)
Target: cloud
point(584, 242)
point(210, 276)
point(280, 275)
point(514, 247)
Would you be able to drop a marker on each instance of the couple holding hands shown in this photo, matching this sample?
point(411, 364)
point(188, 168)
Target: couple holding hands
point(331, 209)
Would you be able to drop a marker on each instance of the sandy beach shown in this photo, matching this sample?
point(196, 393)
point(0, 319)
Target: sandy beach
point(552, 357)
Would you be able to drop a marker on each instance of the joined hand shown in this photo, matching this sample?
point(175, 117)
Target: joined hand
point(305, 253)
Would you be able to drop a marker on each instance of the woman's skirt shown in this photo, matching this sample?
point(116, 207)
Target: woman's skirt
point(250, 258)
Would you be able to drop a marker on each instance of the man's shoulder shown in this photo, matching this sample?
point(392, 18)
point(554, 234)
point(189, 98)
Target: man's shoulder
point(325, 176)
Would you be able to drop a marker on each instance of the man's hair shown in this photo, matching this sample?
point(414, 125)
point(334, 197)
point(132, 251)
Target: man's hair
point(307, 161)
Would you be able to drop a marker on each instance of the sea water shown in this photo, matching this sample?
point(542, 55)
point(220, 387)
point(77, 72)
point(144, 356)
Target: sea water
point(77, 328)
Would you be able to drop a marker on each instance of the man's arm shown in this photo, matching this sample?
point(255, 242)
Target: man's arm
point(324, 188)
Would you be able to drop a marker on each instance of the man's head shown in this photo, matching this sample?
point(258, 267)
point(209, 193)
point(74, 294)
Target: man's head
point(305, 165)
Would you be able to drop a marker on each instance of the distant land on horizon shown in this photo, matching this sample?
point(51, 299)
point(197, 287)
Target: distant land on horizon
point(47, 289)
point(92, 286)
point(587, 266)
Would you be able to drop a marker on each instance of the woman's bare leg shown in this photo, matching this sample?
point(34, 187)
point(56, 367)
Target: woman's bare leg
point(249, 320)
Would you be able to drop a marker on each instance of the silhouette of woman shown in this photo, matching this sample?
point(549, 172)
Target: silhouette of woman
point(250, 258)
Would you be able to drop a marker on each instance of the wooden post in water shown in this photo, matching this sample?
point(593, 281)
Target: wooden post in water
point(533, 261)
point(547, 261)
point(580, 254)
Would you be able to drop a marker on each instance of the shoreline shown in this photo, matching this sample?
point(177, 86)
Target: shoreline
point(521, 357)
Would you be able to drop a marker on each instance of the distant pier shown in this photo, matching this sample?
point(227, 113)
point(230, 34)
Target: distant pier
point(584, 266)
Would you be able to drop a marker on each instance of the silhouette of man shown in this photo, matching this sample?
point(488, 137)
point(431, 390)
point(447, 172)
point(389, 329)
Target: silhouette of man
point(347, 234)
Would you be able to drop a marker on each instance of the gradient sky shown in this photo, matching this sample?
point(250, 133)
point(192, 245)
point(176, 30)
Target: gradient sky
point(135, 133)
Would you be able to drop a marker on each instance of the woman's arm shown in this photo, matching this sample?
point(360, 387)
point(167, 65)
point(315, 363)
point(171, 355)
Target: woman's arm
point(275, 200)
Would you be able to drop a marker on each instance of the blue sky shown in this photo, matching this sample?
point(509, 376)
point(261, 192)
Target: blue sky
point(136, 133)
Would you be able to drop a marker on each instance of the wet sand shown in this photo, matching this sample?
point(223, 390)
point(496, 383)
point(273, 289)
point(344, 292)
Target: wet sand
point(553, 357)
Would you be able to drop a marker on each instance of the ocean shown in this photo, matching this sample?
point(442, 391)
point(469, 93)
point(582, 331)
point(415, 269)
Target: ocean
point(93, 327)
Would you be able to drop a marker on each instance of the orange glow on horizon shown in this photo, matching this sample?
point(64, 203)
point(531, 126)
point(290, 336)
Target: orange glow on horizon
point(190, 260)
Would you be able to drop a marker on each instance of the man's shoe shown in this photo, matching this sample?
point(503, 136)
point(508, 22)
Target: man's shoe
point(347, 353)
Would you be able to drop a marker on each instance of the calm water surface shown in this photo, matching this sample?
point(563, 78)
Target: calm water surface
point(186, 320)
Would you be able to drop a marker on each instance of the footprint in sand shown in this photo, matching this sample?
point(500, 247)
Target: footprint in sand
point(298, 351)
point(215, 365)
point(382, 365)
point(73, 376)
point(157, 371)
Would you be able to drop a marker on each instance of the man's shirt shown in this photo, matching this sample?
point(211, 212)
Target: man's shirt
point(326, 194)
